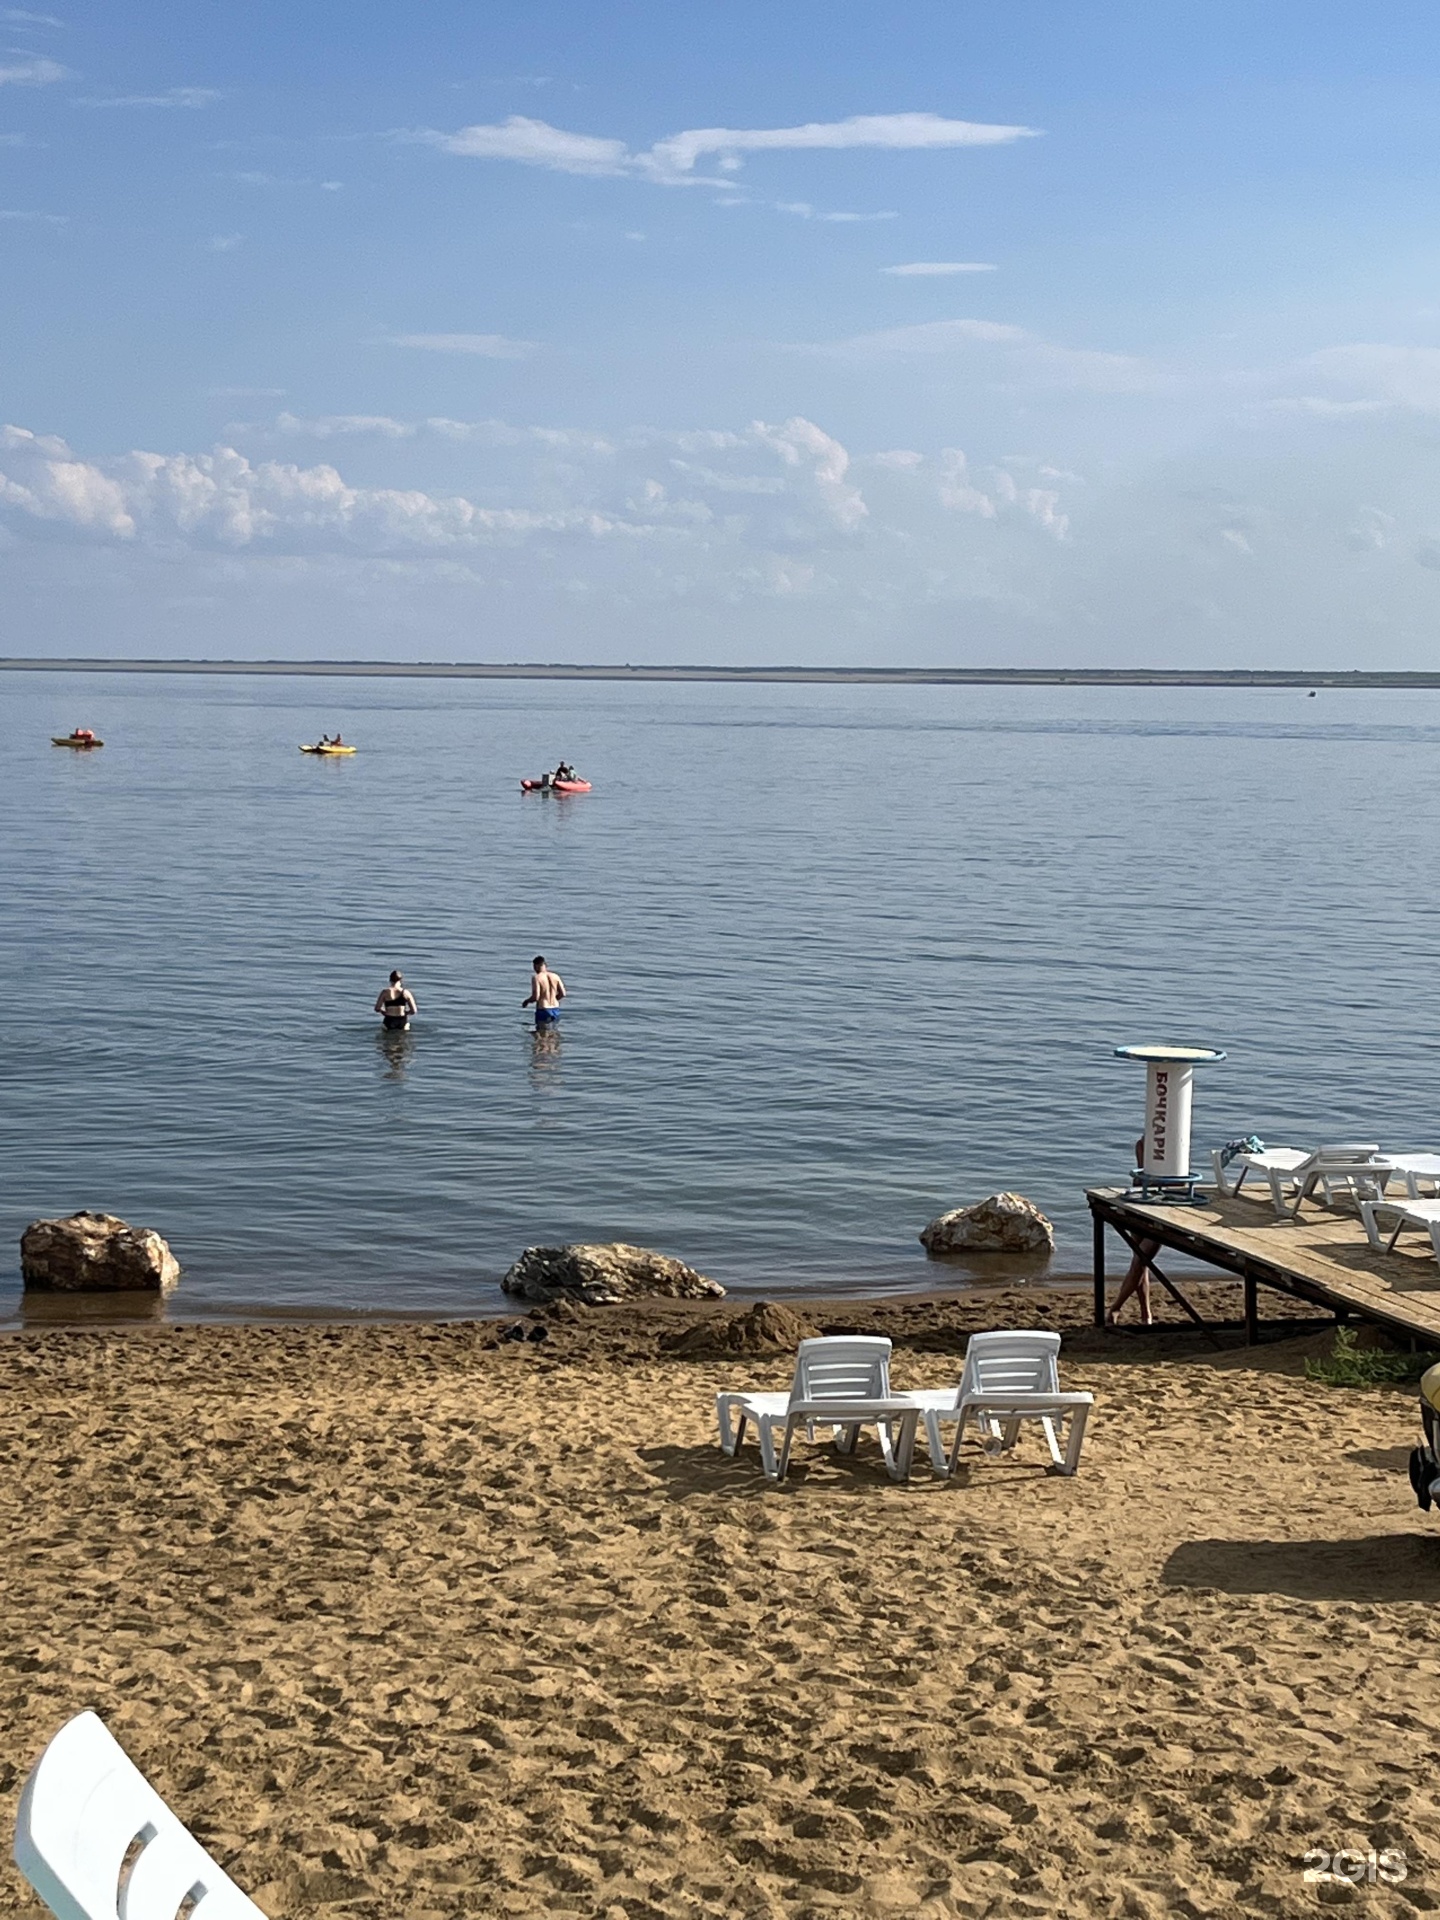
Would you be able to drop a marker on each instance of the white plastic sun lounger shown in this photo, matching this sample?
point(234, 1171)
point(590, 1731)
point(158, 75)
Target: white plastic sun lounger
point(1408, 1213)
point(97, 1842)
point(1008, 1377)
point(1359, 1171)
point(841, 1382)
point(1415, 1169)
point(1230, 1175)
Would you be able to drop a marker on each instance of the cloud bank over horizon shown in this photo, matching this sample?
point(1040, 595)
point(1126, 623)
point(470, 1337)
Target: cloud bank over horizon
point(651, 543)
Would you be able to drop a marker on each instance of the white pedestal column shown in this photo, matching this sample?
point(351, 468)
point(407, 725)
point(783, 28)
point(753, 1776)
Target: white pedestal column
point(1169, 1090)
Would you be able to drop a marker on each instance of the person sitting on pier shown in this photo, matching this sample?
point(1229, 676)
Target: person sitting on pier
point(1137, 1277)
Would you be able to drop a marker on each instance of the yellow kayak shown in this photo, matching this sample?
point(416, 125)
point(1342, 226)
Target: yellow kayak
point(82, 742)
point(327, 749)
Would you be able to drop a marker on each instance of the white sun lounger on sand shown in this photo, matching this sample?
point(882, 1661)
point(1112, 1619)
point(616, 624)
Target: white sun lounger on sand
point(1008, 1377)
point(1408, 1213)
point(1359, 1171)
point(97, 1842)
point(841, 1382)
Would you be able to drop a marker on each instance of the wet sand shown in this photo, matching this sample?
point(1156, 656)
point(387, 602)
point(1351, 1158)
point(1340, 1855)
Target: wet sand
point(421, 1621)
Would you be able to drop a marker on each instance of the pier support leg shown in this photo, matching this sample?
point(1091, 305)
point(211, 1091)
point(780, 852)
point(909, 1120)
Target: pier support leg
point(1098, 1226)
point(1252, 1311)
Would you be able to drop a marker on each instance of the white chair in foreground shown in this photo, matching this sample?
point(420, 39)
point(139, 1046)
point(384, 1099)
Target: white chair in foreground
point(1408, 1213)
point(1008, 1377)
point(841, 1382)
point(97, 1842)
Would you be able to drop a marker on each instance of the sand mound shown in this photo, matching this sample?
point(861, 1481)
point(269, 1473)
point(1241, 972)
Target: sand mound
point(765, 1329)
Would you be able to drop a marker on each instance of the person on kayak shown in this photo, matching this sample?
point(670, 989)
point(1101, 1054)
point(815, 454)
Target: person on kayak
point(564, 771)
point(396, 1003)
point(547, 990)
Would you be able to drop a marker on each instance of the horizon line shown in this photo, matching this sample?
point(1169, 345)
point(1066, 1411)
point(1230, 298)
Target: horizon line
point(1314, 678)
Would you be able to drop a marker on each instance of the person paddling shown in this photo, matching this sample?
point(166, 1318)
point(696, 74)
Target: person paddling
point(396, 1003)
point(547, 990)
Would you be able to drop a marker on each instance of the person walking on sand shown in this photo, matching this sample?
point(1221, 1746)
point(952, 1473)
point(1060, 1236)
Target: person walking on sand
point(1137, 1277)
point(547, 990)
point(396, 1003)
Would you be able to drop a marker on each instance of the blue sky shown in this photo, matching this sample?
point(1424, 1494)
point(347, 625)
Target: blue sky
point(812, 333)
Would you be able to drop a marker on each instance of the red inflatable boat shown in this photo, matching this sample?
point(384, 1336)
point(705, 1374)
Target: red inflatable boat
point(555, 786)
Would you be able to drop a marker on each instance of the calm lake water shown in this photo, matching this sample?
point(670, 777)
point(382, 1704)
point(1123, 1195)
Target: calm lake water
point(838, 958)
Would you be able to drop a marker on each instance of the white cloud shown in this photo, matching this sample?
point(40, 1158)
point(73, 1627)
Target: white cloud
point(192, 97)
point(672, 161)
point(807, 212)
point(1013, 356)
point(40, 219)
point(1372, 376)
point(328, 426)
point(801, 444)
point(220, 500)
point(252, 177)
point(934, 269)
point(909, 131)
point(247, 393)
point(223, 242)
point(537, 144)
point(17, 17)
point(487, 346)
point(34, 73)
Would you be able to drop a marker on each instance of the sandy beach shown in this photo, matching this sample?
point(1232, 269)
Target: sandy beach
point(419, 1621)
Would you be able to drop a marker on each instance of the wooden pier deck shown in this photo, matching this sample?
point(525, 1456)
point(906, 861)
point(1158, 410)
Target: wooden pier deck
point(1323, 1257)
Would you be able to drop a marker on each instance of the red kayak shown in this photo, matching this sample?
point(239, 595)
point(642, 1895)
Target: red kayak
point(555, 786)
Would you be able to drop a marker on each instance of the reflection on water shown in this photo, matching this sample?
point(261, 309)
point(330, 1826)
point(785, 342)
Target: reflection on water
point(545, 1057)
point(396, 1046)
point(46, 1307)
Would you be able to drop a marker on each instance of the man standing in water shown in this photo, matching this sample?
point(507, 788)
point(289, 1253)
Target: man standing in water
point(547, 990)
point(396, 1003)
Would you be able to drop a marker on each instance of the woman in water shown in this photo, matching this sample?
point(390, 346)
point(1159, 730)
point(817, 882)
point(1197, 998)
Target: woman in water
point(395, 1003)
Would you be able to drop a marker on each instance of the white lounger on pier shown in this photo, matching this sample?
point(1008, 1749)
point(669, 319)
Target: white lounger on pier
point(1408, 1213)
point(841, 1382)
point(1359, 1171)
point(96, 1841)
point(1008, 1377)
point(1415, 1169)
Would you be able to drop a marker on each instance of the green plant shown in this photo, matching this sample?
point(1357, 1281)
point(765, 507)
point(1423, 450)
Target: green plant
point(1350, 1365)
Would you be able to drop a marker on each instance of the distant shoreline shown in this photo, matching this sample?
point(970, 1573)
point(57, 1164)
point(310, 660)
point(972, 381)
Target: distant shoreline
point(803, 676)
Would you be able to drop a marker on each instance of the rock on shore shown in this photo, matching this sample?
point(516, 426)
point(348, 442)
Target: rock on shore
point(1003, 1223)
point(767, 1328)
point(96, 1253)
point(604, 1275)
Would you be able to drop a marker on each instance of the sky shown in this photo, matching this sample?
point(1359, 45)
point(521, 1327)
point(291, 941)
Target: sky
point(929, 334)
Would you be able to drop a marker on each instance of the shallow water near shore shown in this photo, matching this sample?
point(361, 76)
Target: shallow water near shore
point(838, 958)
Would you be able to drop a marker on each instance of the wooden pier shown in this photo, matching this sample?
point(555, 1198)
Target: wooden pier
point(1323, 1257)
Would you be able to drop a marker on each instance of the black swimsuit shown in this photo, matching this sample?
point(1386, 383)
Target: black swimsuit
point(395, 1011)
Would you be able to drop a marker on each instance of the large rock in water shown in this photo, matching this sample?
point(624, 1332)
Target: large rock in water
point(1003, 1223)
point(605, 1275)
point(96, 1253)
